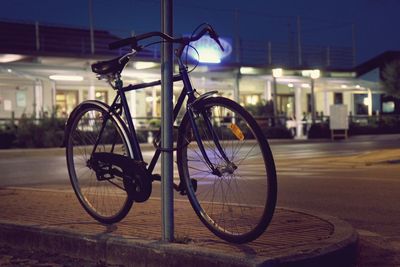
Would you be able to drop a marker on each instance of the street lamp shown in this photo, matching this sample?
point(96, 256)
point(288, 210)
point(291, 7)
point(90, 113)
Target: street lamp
point(313, 74)
point(276, 73)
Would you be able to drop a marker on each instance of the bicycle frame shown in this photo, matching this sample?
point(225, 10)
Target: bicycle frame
point(186, 91)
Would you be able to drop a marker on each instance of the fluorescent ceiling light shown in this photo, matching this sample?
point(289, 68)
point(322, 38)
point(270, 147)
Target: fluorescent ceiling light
point(71, 78)
point(305, 85)
point(247, 70)
point(6, 58)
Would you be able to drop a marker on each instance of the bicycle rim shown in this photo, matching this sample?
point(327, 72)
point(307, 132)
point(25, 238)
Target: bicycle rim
point(104, 199)
point(237, 205)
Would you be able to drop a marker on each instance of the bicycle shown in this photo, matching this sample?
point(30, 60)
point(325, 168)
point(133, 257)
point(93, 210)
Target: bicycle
point(218, 144)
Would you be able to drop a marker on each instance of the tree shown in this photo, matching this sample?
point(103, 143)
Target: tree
point(391, 79)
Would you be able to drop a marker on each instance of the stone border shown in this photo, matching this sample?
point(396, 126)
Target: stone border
point(338, 250)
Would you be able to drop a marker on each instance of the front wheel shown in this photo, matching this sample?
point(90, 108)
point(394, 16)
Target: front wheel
point(237, 199)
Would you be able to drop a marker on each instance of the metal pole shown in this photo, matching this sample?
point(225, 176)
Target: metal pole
point(91, 27)
point(37, 36)
point(299, 41)
point(275, 99)
point(166, 126)
point(353, 37)
point(269, 53)
point(237, 37)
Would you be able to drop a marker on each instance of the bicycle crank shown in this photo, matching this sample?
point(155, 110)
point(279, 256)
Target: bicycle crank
point(136, 178)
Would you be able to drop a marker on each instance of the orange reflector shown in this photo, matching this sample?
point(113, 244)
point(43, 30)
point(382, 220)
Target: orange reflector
point(236, 131)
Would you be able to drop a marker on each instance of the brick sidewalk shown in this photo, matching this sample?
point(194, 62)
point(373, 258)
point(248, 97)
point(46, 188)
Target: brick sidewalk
point(291, 234)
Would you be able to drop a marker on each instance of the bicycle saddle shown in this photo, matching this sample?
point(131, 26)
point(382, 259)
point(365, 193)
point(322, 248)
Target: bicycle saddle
point(110, 67)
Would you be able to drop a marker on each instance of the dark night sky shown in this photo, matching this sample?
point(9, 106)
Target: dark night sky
point(323, 22)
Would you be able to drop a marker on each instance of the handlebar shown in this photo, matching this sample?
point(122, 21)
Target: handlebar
point(133, 41)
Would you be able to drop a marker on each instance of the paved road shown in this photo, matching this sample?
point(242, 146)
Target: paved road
point(309, 177)
point(43, 170)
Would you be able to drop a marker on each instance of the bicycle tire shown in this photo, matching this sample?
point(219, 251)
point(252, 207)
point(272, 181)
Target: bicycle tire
point(107, 201)
point(238, 206)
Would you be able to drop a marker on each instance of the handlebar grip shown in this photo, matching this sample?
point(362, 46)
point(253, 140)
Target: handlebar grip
point(124, 42)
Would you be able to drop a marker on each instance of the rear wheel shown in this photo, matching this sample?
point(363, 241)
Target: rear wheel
point(103, 196)
point(235, 201)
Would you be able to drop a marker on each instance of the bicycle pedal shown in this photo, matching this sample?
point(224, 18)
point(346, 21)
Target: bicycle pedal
point(194, 184)
point(156, 177)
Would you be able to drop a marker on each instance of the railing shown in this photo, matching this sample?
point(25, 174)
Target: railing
point(49, 132)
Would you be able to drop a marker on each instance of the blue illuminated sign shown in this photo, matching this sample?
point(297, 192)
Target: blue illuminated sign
point(209, 51)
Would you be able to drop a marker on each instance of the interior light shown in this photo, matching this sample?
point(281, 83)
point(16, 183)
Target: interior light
point(141, 65)
point(6, 58)
point(305, 85)
point(343, 86)
point(72, 78)
point(291, 85)
point(9, 70)
point(358, 86)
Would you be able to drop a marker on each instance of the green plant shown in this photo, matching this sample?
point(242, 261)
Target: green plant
point(45, 132)
point(262, 108)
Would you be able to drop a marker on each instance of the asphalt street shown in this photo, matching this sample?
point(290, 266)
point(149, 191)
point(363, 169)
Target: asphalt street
point(317, 176)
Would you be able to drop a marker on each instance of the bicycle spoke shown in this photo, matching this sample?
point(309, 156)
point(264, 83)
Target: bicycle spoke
point(105, 199)
point(232, 201)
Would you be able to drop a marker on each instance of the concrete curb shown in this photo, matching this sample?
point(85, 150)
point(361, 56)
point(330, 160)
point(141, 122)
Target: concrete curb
point(338, 250)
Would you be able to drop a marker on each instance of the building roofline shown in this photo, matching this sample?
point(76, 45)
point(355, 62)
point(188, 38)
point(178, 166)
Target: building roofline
point(378, 61)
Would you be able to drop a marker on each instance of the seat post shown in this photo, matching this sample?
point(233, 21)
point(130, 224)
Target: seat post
point(125, 107)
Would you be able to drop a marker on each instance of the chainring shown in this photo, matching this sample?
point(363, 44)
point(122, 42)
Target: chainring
point(136, 178)
point(137, 181)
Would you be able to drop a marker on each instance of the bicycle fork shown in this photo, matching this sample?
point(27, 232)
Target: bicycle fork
point(219, 171)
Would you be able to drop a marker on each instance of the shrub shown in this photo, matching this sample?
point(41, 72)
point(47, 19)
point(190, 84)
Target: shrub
point(277, 132)
point(7, 137)
point(262, 108)
point(319, 130)
point(47, 132)
point(380, 125)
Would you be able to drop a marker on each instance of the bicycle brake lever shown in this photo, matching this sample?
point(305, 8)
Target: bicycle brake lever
point(215, 37)
point(219, 43)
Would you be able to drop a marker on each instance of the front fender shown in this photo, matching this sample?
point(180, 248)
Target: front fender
point(72, 115)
